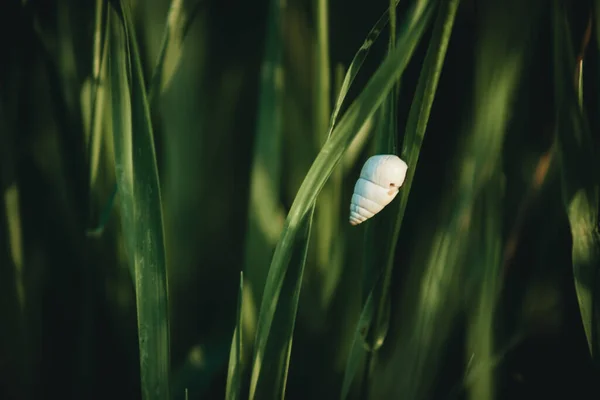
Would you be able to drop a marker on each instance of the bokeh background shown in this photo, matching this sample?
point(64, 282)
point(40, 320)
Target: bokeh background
point(68, 308)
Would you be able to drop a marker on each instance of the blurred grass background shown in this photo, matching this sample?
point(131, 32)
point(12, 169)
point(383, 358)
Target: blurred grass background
point(483, 283)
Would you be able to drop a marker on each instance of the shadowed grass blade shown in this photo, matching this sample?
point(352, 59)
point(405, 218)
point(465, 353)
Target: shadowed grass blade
point(385, 230)
point(234, 373)
point(434, 290)
point(179, 19)
point(357, 115)
point(141, 208)
point(486, 248)
point(279, 347)
point(357, 349)
point(356, 64)
point(579, 160)
point(265, 212)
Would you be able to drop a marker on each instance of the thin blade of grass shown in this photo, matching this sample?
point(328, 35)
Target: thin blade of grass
point(98, 92)
point(579, 160)
point(356, 64)
point(141, 208)
point(418, 118)
point(180, 17)
point(234, 376)
point(438, 285)
point(385, 230)
point(265, 212)
point(279, 347)
point(356, 116)
point(486, 244)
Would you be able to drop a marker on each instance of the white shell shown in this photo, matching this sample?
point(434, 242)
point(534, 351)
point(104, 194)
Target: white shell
point(380, 179)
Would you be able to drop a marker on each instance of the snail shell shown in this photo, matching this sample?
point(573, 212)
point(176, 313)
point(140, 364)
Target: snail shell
point(380, 179)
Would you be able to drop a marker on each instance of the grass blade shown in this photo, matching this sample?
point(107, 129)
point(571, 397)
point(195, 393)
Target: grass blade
point(381, 230)
point(265, 212)
point(98, 93)
point(579, 160)
point(356, 64)
point(234, 375)
point(178, 24)
point(379, 259)
point(279, 347)
point(356, 116)
point(437, 285)
point(179, 19)
point(141, 208)
point(486, 243)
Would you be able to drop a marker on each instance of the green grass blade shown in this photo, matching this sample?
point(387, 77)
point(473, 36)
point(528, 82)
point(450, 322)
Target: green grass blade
point(579, 160)
point(98, 93)
point(485, 272)
point(141, 208)
point(279, 347)
point(265, 212)
point(435, 288)
point(357, 115)
point(330, 202)
point(180, 17)
point(356, 64)
point(382, 230)
point(234, 375)
point(381, 234)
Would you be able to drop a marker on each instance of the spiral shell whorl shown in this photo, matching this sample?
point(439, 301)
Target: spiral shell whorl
point(379, 182)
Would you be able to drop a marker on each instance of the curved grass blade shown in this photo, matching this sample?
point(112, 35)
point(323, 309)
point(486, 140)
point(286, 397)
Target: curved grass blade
point(234, 375)
point(435, 288)
point(329, 202)
point(356, 64)
point(485, 267)
point(179, 19)
point(99, 92)
point(415, 133)
point(141, 208)
point(356, 116)
point(279, 347)
point(265, 212)
point(178, 24)
point(385, 230)
point(580, 183)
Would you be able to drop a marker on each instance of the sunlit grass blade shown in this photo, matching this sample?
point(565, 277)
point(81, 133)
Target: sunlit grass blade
point(234, 373)
point(357, 115)
point(434, 290)
point(180, 17)
point(141, 208)
point(579, 162)
point(328, 235)
point(386, 230)
point(265, 211)
point(486, 261)
point(98, 92)
point(381, 233)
